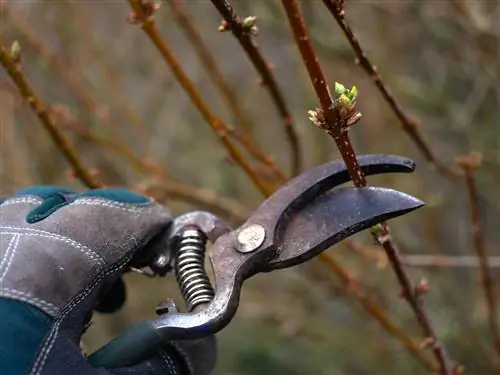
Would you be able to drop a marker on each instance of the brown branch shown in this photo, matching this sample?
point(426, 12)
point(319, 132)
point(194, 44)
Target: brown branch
point(110, 75)
point(333, 123)
point(468, 164)
point(408, 125)
point(141, 15)
point(234, 24)
point(409, 292)
point(336, 119)
point(377, 312)
point(14, 71)
point(371, 254)
point(208, 61)
point(74, 82)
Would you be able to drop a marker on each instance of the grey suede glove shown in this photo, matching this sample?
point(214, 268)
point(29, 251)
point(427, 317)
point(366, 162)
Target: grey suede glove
point(61, 256)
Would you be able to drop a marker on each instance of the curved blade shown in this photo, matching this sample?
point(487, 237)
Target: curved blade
point(275, 211)
point(334, 216)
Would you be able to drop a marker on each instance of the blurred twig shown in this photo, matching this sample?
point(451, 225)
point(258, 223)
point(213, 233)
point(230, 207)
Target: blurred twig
point(330, 118)
point(468, 163)
point(109, 74)
point(14, 70)
point(242, 34)
point(377, 312)
point(210, 64)
point(208, 60)
point(421, 260)
point(74, 82)
point(409, 125)
point(143, 12)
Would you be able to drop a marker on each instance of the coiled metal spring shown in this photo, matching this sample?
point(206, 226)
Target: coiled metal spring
point(189, 267)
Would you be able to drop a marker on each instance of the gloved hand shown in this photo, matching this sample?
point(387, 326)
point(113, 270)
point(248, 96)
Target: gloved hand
point(61, 256)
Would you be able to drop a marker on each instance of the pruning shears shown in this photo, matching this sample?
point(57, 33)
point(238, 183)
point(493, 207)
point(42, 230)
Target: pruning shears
point(301, 219)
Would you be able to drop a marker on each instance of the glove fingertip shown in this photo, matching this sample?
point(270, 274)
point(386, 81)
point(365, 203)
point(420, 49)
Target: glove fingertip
point(114, 299)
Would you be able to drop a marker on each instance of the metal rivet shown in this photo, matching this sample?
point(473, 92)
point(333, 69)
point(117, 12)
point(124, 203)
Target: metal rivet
point(250, 238)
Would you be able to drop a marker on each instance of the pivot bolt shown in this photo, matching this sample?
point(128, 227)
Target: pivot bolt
point(250, 238)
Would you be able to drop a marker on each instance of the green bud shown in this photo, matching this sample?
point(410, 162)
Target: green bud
point(248, 22)
point(353, 93)
point(339, 89)
point(15, 50)
point(343, 99)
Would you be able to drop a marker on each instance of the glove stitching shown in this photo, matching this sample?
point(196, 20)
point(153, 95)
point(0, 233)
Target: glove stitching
point(21, 296)
point(40, 233)
point(9, 254)
point(184, 356)
point(112, 204)
point(15, 238)
point(169, 362)
point(8, 202)
point(49, 343)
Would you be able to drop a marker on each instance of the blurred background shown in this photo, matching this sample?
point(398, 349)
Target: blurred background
point(133, 124)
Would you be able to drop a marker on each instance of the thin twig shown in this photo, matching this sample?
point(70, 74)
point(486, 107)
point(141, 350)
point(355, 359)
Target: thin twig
point(337, 126)
point(84, 97)
point(378, 312)
point(220, 129)
point(234, 24)
point(333, 120)
point(409, 292)
point(111, 77)
point(468, 164)
point(371, 253)
point(13, 69)
point(409, 125)
point(209, 62)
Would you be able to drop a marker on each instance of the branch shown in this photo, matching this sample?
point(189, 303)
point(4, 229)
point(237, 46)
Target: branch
point(336, 118)
point(143, 14)
point(329, 116)
point(378, 312)
point(74, 81)
point(468, 164)
point(242, 34)
point(208, 61)
point(408, 125)
point(371, 254)
point(12, 66)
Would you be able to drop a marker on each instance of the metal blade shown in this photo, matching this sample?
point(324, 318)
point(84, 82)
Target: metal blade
point(335, 216)
point(276, 211)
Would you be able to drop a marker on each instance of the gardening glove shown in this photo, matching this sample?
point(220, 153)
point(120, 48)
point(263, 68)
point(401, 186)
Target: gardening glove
point(62, 255)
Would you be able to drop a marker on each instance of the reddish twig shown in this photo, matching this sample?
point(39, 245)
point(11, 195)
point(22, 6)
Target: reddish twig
point(409, 125)
point(331, 121)
point(336, 119)
point(468, 164)
point(414, 298)
point(143, 12)
point(371, 254)
point(242, 34)
point(74, 81)
point(377, 311)
point(209, 62)
point(14, 71)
